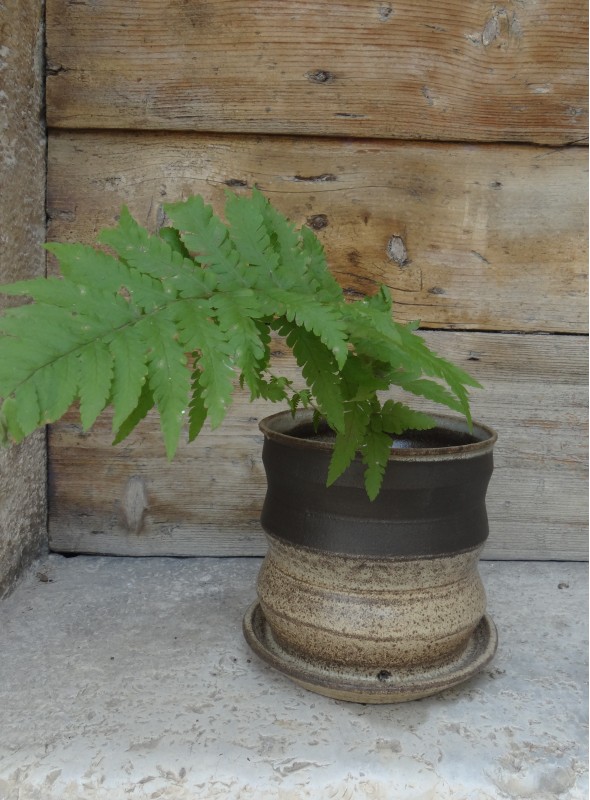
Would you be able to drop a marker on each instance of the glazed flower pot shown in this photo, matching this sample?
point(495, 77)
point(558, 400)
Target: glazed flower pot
point(374, 601)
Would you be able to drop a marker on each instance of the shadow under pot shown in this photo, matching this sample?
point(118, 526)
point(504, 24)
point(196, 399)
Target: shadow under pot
point(382, 601)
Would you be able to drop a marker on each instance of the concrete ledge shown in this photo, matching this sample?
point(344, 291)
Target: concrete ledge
point(129, 678)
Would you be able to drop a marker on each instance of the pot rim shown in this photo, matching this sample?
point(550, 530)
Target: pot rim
point(276, 427)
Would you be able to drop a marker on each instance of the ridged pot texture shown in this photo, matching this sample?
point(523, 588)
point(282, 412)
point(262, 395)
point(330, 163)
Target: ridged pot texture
point(386, 584)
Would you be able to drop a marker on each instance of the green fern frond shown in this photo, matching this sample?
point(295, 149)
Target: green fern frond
point(129, 372)
point(320, 370)
point(238, 315)
point(155, 257)
point(322, 281)
point(348, 441)
point(275, 389)
point(250, 236)
point(301, 398)
point(168, 377)
point(95, 375)
point(59, 292)
point(286, 240)
point(362, 378)
point(197, 414)
point(216, 382)
point(28, 410)
point(172, 238)
point(200, 334)
point(381, 302)
point(51, 331)
point(424, 387)
point(208, 238)
point(324, 321)
point(431, 364)
point(10, 429)
point(397, 418)
point(122, 284)
point(41, 340)
point(398, 346)
point(379, 345)
point(145, 403)
point(90, 268)
point(56, 386)
point(375, 452)
point(373, 322)
point(127, 329)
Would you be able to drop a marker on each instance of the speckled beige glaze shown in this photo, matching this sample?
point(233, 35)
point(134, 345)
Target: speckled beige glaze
point(380, 613)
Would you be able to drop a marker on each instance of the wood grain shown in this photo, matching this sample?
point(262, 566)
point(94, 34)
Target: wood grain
point(129, 500)
point(489, 237)
point(413, 70)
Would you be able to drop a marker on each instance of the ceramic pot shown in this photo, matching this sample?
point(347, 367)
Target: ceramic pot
point(374, 601)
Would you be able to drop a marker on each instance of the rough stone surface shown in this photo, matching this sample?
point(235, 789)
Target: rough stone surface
point(22, 507)
point(22, 231)
point(129, 678)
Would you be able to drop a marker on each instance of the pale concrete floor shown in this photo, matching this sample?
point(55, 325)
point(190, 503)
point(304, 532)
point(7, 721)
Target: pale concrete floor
point(129, 678)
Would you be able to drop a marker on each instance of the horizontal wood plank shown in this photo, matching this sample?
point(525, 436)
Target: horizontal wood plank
point(489, 237)
point(128, 500)
point(414, 70)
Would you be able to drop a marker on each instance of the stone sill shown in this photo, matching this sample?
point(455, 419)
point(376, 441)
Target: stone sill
point(129, 678)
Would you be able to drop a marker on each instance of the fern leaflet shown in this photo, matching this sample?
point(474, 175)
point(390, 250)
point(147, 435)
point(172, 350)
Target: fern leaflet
point(322, 320)
point(129, 372)
point(200, 334)
point(349, 440)
point(95, 374)
point(250, 237)
point(375, 452)
point(423, 387)
point(396, 418)
point(237, 314)
point(322, 280)
point(208, 238)
point(197, 413)
point(292, 261)
point(168, 377)
point(145, 403)
point(154, 257)
point(319, 368)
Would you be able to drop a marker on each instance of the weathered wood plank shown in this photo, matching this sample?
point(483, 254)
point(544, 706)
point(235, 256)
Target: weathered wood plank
point(418, 70)
point(490, 237)
point(129, 500)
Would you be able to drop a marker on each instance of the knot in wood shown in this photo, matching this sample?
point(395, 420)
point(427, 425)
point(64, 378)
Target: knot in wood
point(396, 251)
point(317, 222)
point(320, 76)
point(501, 27)
point(134, 504)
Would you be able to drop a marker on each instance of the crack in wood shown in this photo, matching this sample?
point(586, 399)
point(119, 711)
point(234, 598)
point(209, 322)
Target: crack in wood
point(325, 177)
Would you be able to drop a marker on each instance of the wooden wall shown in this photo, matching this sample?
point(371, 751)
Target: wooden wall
point(437, 148)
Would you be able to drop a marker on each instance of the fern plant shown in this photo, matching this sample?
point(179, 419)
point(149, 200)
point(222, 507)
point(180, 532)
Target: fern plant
point(176, 320)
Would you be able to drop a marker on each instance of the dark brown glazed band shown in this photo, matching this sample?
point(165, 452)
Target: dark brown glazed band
point(432, 501)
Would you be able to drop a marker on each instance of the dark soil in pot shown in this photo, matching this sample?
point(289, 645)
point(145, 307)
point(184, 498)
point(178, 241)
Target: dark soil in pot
point(416, 440)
